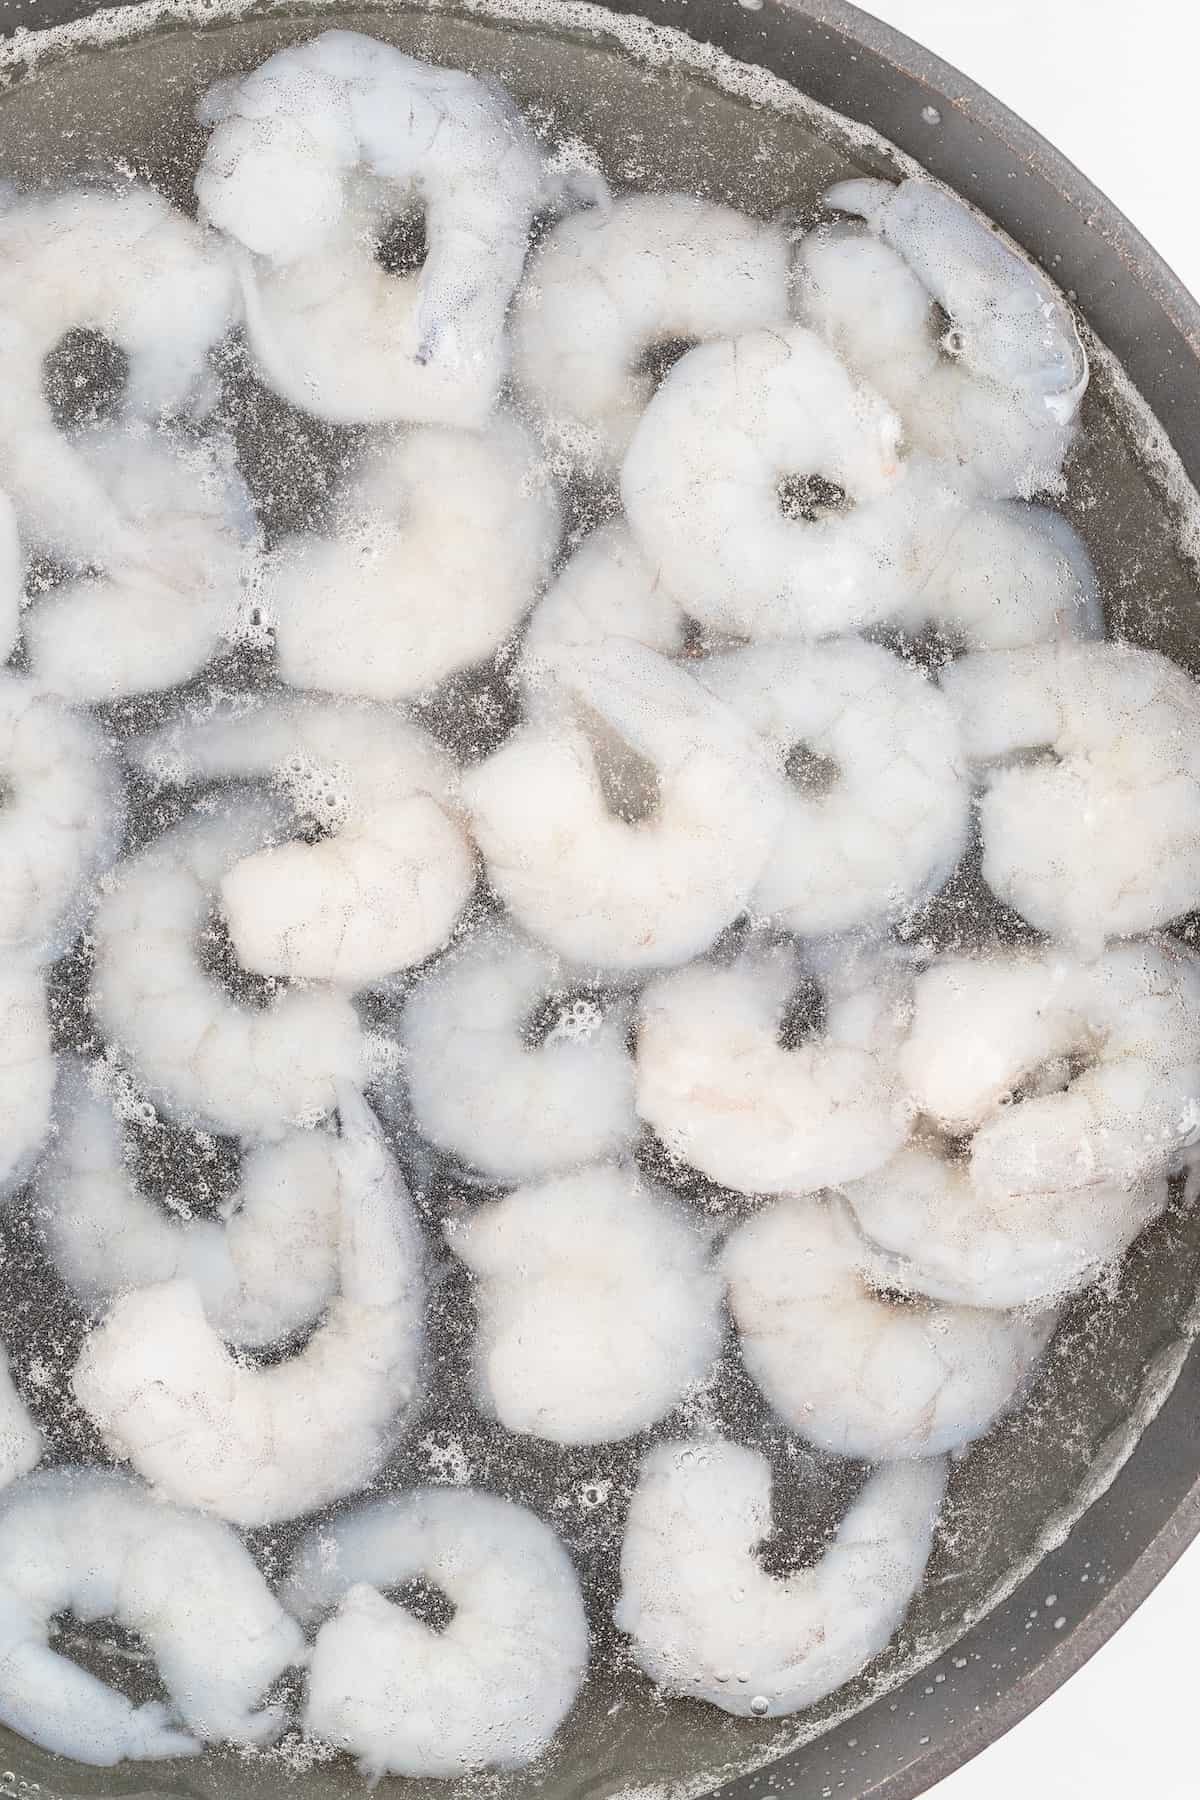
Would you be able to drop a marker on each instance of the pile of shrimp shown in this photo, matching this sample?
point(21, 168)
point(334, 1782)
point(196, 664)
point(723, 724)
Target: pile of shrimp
point(459, 965)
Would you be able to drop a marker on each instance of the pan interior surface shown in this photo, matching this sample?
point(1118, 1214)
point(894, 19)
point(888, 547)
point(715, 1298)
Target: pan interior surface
point(652, 124)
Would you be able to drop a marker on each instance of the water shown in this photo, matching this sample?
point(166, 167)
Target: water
point(652, 124)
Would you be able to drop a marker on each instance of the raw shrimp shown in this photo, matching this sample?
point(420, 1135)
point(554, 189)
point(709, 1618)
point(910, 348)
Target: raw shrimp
point(153, 617)
point(606, 590)
point(998, 409)
point(264, 1270)
point(21, 1443)
point(480, 1089)
point(204, 1057)
point(27, 1070)
point(486, 1692)
point(257, 1445)
point(311, 156)
point(877, 816)
point(946, 1238)
point(707, 1621)
point(723, 1090)
point(1103, 1057)
point(1090, 759)
point(99, 1546)
point(383, 885)
point(62, 820)
point(443, 542)
point(127, 265)
point(12, 577)
point(706, 478)
point(1008, 575)
point(851, 1369)
point(598, 1305)
point(608, 288)
point(598, 888)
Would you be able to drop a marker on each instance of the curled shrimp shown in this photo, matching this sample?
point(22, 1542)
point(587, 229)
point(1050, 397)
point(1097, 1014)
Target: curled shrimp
point(206, 1058)
point(311, 156)
point(256, 1445)
point(392, 870)
point(100, 1546)
point(124, 264)
point(265, 1270)
point(855, 1370)
point(600, 889)
point(490, 1689)
point(706, 1620)
point(1001, 411)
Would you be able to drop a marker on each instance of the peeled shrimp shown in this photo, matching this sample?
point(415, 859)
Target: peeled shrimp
point(854, 1371)
point(256, 1445)
point(1008, 575)
point(702, 490)
point(946, 1237)
point(511, 1109)
point(707, 1621)
point(266, 1269)
point(887, 821)
point(99, 1546)
point(27, 1070)
point(202, 1056)
point(383, 886)
point(12, 577)
point(999, 409)
point(311, 155)
point(606, 287)
point(443, 542)
point(607, 590)
point(62, 820)
point(598, 1305)
point(725, 1094)
point(1107, 1054)
point(154, 616)
point(1090, 756)
point(489, 1690)
point(596, 888)
point(124, 264)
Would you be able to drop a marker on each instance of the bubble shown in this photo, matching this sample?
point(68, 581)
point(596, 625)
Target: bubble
point(760, 1706)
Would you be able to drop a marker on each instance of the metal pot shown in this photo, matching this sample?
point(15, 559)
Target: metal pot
point(1087, 1497)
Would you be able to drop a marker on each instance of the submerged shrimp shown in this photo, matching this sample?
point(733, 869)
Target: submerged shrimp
point(945, 1236)
point(597, 1302)
point(124, 264)
point(1000, 407)
point(736, 431)
point(853, 1370)
point(608, 289)
point(256, 1445)
point(27, 1070)
point(720, 1085)
point(706, 1620)
point(151, 617)
point(21, 1442)
point(99, 1546)
point(204, 1057)
point(601, 889)
point(312, 155)
point(491, 1688)
point(1090, 760)
point(876, 816)
point(511, 1108)
point(1103, 1058)
point(61, 823)
point(443, 541)
point(12, 577)
point(264, 1270)
point(386, 880)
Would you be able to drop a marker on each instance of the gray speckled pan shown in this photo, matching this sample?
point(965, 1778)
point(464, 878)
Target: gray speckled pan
point(1060, 1521)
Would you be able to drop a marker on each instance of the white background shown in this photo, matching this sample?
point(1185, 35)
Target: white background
point(1115, 84)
